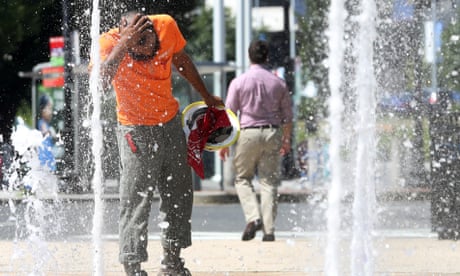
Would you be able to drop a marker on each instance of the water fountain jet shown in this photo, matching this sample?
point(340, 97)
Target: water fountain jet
point(96, 134)
point(364, 127)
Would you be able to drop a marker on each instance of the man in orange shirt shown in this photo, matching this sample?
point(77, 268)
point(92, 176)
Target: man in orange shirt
point(136, 61)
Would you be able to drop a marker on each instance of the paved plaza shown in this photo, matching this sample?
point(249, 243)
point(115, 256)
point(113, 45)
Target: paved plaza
point(404, 251)
point(220, 255)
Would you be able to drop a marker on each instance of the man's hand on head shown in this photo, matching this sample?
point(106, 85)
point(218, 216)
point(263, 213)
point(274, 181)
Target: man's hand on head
point(131, 31)
point(132, 28)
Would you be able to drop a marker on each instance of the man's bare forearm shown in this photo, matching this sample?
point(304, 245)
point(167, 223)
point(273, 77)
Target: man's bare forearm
point(287, 130)
point(187, 70)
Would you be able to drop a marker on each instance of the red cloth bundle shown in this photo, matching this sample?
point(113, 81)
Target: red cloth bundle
point(207, 123)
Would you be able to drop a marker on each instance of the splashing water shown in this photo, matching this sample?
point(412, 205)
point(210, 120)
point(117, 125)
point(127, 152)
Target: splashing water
point(33, 184)
point(27, 173)
point(96, 134)
point(336, 33)
point(364, 190)
point(363, 87)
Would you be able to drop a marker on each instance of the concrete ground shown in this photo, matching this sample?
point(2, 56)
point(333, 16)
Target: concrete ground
point(227, 255)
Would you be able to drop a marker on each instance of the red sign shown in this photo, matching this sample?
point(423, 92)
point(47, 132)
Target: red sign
point(53, 76)
point(56, 42)
point(57, 50)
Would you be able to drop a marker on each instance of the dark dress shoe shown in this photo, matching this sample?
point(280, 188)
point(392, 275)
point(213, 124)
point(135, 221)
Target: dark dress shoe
point(268, 237)
point(251, 229)
point(134, 270)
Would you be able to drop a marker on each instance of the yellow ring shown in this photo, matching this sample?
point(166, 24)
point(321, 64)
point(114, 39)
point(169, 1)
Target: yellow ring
point(233, 120)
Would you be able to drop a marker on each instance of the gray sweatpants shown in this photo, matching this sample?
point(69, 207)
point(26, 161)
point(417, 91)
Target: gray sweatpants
point(153, 157)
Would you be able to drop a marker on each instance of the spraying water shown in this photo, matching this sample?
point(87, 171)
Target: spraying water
point(336, 50)
point(32, 183)
point(362, 262)
point(363, 88)
point(96, 134)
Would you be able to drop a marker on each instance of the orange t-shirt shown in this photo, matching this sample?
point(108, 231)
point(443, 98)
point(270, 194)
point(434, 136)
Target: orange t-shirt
point(143, 88)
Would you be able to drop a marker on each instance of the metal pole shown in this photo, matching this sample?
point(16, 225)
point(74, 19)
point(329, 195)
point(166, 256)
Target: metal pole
point(34, 75)
point(218, 33)
point(296, 66)
point(219, 80)
point(68, 122)
point(240, 46)
point(292, 50)
point(434, 80)
point(247, 31)
point(76, 60)
point(243, 34)
point(34, 102)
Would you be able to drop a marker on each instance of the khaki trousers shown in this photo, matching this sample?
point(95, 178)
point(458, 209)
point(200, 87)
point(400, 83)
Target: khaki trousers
point(257, 154)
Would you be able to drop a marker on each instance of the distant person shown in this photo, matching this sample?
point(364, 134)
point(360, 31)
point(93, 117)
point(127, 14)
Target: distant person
point(6, 159)
point(264, 106)
point(45, 152)
point(137, 59)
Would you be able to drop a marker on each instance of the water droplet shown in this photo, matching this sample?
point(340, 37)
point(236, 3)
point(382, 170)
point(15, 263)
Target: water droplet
point(290, 242)
point(197, 261)
point(163, 225)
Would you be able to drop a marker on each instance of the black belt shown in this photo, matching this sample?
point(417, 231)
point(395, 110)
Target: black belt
point(260, 127)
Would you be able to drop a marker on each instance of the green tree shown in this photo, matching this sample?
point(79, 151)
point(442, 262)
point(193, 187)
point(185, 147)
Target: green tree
point(200, 34)
point(313, 49)
point(25, 26)
point(450, 67)
point(313, 52)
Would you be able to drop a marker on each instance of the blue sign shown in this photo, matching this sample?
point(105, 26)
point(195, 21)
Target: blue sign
point(403, 10)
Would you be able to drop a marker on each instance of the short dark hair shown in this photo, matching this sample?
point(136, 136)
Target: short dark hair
point(43, 101)
point(258, 51)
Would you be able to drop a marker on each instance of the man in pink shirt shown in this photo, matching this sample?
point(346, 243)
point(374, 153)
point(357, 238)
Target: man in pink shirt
point(264, 106)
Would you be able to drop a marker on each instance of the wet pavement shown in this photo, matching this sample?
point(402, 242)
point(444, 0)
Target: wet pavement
point(225, 254)
point(403, 243)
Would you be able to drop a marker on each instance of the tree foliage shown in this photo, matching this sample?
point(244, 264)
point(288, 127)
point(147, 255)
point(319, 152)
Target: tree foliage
point(201, 32)
point(313, 53)
point(450, 67)
point(25, 26)
point(313, 49)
